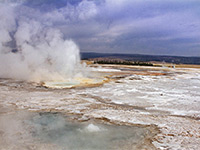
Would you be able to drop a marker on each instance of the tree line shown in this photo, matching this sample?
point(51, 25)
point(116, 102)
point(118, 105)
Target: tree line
point(118, 62)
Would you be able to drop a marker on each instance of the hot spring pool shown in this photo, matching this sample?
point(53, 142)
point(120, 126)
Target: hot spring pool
point(23, 130)
point(67, 135)
point(76, 82)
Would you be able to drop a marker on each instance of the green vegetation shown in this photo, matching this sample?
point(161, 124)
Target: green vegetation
point(118, 62)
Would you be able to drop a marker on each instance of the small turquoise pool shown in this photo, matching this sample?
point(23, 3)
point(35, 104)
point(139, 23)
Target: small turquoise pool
point(67, 135)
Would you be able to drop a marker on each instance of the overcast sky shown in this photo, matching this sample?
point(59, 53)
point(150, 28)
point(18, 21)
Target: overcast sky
point(161, 27)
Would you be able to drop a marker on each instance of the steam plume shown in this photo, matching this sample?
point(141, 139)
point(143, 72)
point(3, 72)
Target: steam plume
point(31, 48)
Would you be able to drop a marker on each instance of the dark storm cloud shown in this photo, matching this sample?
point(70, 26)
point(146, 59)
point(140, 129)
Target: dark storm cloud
point(169, 27)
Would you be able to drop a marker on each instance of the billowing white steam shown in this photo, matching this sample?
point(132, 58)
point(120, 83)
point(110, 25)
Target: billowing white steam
point(31, 49)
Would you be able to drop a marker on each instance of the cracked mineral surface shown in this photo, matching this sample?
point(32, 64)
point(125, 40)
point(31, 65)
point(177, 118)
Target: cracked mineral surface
point(166, 101)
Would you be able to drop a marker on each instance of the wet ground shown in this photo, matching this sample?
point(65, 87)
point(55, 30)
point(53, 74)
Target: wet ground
point(163, 101)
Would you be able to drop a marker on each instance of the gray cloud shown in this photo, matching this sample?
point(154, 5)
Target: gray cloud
point(169, 27)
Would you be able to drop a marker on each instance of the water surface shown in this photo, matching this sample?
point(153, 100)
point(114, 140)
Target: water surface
point(58, 130)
